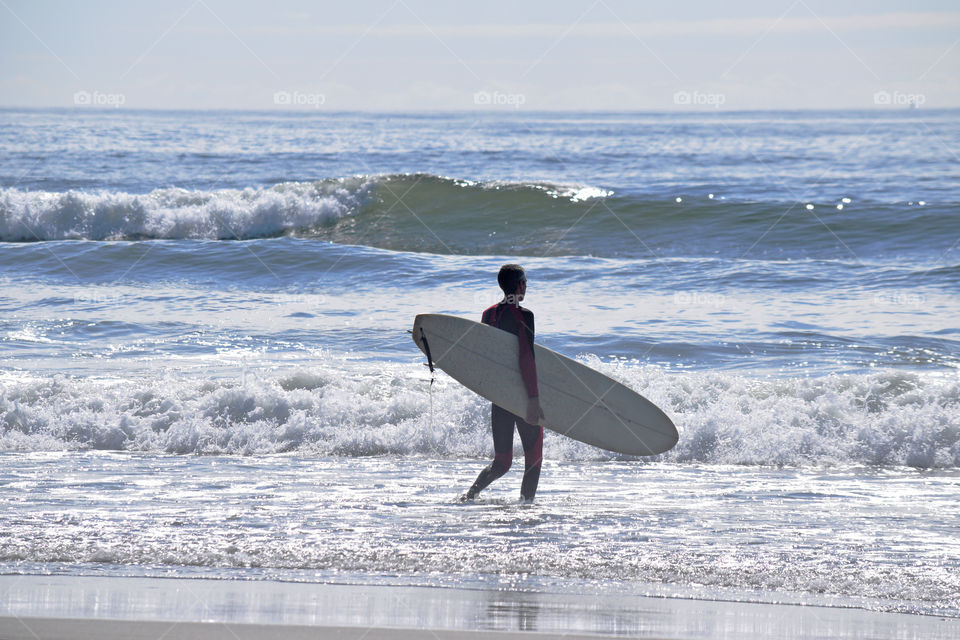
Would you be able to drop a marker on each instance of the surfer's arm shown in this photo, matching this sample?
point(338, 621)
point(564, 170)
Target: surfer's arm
point(528, 368)
point(528, 365)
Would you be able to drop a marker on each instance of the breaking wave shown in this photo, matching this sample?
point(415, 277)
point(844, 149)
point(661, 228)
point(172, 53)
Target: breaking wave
point(885, 418)
point(428, 213)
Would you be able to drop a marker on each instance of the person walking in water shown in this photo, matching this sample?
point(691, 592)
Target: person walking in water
point(509, 316)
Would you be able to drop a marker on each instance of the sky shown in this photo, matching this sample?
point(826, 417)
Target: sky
point(423, 55)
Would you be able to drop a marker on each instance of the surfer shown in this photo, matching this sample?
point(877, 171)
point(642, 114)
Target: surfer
point(510, 316)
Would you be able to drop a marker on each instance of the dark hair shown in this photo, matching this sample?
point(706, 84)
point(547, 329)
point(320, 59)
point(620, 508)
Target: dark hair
point(510, 276)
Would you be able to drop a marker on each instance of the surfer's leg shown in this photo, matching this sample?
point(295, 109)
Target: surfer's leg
point(532, 438)
point(502, 424)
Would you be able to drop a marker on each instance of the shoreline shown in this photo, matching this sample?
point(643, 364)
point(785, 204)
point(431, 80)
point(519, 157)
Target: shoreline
point(74, 628)
point(51, 607)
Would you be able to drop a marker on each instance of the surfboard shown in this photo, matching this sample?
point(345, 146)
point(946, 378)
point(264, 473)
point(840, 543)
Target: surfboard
point(577, 401)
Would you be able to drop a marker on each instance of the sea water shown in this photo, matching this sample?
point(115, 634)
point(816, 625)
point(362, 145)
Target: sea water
point(205, 370)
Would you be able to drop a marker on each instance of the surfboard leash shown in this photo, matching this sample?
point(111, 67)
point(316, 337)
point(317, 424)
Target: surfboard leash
point(426, 348)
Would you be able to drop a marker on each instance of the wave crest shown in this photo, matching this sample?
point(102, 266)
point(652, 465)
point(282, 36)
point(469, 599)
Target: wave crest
point(428, 213)
point(178, 213)
point(302, 208)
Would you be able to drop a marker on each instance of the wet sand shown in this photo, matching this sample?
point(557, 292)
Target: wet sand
point(100, 608)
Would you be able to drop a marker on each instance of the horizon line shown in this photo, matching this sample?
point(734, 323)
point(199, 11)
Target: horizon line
point(499, 110)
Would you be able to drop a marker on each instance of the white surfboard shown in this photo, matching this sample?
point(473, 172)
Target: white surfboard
point(577, 401)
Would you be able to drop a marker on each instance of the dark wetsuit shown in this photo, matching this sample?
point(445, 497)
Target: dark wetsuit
point(518, 321)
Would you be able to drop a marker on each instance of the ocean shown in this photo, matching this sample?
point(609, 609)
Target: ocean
point(205, 370)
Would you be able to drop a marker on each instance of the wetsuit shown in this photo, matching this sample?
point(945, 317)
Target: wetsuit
point(518, 321)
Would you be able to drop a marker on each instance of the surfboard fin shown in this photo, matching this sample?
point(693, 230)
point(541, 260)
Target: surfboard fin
point(426, 348)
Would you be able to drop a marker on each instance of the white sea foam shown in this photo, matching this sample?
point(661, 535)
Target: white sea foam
point(881, 539)
point(177, 213)
point(224, 214)
point(887, 418)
